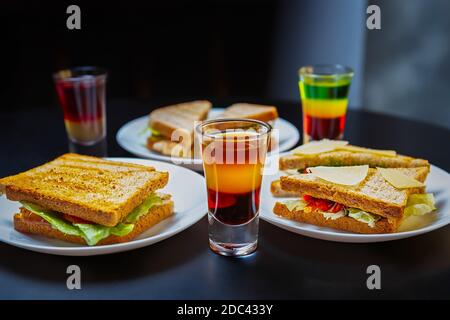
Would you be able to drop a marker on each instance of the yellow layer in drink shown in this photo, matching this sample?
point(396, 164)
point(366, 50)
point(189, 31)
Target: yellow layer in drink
point(324, 108)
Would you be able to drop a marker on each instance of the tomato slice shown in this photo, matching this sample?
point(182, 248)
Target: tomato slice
point(336, 207)
point(322, 204)
point(73, 219)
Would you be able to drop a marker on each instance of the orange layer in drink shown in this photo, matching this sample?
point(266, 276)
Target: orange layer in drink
point(233, 178)
point(232, 163)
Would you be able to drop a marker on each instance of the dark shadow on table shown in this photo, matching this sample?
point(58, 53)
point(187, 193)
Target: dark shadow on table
point(163, 256)
point(406, 263)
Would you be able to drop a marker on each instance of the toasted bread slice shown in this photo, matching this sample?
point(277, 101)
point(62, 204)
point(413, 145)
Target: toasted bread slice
point(344, 223)
point(275, 189)
point(374, 194)
point(347, 158)
point(181, 116)
point(90, 188)
point(28, 222)
point(250, 111)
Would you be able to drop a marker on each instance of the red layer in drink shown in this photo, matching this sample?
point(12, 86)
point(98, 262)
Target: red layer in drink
point(324, 128)
point(233, 208)
point(82, 101)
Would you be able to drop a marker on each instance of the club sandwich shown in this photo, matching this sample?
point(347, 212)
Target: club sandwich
point(88, 200)
point(357, 198)
point(334, 153)
point(172, 127)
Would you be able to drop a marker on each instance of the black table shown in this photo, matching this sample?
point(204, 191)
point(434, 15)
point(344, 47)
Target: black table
point(286, 265)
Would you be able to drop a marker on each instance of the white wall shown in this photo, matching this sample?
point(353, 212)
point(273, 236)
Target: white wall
point(408, 61)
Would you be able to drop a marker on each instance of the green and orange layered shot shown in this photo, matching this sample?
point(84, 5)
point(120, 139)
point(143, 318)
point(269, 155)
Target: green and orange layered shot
point(324, 103)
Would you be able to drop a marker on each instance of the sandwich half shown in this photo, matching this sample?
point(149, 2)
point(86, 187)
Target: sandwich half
point(250, 111)
point(172, 127)
point(374, 205)
point(339, 153)
point(88, 200)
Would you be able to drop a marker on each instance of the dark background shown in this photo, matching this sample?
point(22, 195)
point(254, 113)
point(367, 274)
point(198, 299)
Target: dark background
point(169, 49)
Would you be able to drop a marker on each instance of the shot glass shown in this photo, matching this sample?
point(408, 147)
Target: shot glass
point(81, 93)
point(233, 153)
point(324, 94)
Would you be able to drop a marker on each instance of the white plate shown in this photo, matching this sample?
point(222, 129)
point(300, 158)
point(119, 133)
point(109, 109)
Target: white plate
point(438, 183)
point(132, 136)
point(190, 207)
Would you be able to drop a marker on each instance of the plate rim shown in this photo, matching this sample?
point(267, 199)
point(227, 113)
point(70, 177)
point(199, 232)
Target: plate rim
point(329, 235)
point(118, 247)
point(288, 145)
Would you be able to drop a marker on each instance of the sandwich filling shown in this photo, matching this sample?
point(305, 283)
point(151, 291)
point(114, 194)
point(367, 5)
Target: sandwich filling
point(417, 205)
point(93, 233)
point(154, 136)
point(151, 131)
point(155, 133)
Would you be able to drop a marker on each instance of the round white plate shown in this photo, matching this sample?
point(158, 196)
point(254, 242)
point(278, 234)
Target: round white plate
point(438, 183)
point(189, 208)
point(133, 135)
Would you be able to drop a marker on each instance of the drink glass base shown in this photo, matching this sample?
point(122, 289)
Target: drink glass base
point(233, 240)
point(307, 138)
point(233, 250)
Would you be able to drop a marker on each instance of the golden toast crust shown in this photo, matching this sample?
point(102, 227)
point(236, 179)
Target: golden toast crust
point(90, 188)
point(343, 223)
point(27, 222)
point(373, 194)
point(277, 191)
point(250, 111)
point(167, 119)
point(347, 158)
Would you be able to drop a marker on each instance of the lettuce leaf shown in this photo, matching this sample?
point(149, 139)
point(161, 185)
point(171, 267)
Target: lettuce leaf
point(148, 129)
point(142, 209)
point(363, 216)
point(122, 229)
point(94, 233)
point(333, 216)
point(421, 198)
point(295, 205)
point(155, 133)
point(417, 210)
point(299, 204)
point(419, 204)
point(53, 218)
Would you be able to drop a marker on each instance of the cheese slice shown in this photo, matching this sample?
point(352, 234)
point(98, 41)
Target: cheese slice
point(325, 145)
point(387, 153)
point(349, 176)
point(321, 146)
point(398, 179)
